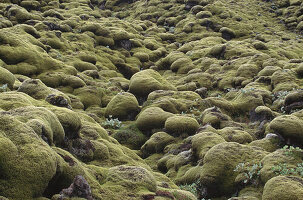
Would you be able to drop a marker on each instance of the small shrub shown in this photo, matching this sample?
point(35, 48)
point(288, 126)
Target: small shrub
point(251, 172)
point(191, 188)
point(4, 88)
point(291, 151)
point(112, 123)
point(196, 189)
point(283, 169)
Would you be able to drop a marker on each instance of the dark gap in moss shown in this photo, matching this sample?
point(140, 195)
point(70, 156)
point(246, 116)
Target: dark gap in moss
point(56, 185)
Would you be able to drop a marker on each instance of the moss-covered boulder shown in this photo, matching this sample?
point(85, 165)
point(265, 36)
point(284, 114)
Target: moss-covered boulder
point(204, 141)
point(232, 134)
point(177, 125)
point(27, 162)
point(288, 126)
point(130, 136)
point(44, 123)
point(152, 118)
point(89, 96)
point(123, 106)
point(283, 187)
point(146, 81)
point(156, 143)
point(138, 178)
point(223, 159)
point(7, 78)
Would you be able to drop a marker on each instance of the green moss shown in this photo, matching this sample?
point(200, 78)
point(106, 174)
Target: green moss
point(289, 126)
point(156, 143)
point(130, 136)
point(204, 141)
point(177, 125)
point(82, 66)
point(123, 106)
point(152, 118)
point(89, 96)
point(27, 163)
point(234, 135)
point(222, 159)
point(7, 77)
point(182, 65)
point(131, 176)
point(282, 187)
point(146, 81)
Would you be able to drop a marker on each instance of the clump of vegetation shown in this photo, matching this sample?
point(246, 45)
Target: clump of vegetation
point(250, 171)
point(291, 151)
point(196, 188)
point(113, 123)
point(4, 88)
point(193, 188)
point(284, 169)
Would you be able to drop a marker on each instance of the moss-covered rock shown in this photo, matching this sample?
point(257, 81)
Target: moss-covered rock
point(283, 187)
point(123, 106)
point(156, 143)
point(222, 159)
point(146, 81)
point(7, 78)
point(130, 136)
point(204, 141)
point(136, 177)
point(27, 162)
point(152, 118)
point(288, 126)
point(177, 125)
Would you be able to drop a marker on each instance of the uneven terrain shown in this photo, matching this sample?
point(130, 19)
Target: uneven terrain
point(151, 99)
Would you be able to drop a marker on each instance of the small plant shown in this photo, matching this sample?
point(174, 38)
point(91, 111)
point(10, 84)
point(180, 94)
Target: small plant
point(283, 169)
point(250, 171)
point(291, 151)
point(196, 188)
point(4, 88)
point(191, 188)
point(112, 123)
point(243, 91)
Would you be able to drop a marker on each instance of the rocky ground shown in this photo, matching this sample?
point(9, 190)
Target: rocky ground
point(151, 99)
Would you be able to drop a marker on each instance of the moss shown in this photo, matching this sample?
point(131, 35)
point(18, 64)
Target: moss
point(20, 177)
point(288, 126)
point(247, 99)
point(247, 70)
point(130, 136)
point(43, 122)
point(143, 57)
point(18, 14)
point(156, 143)
point(204, 141)
point(182, 65)
point(214, 117)
point(234, 135)
point(7, 78)
point(38, 90)
point(227, 33)
point(146, 81)
point(269, 144)
point(136, 177)
point(82, 66)
point(173, 101)
point(222, 159)
point(123, 106)
point(177, 125)
point(69, 120)
point(282, 187)
point(152, 118)
point(277, 158)
point(89, 96)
